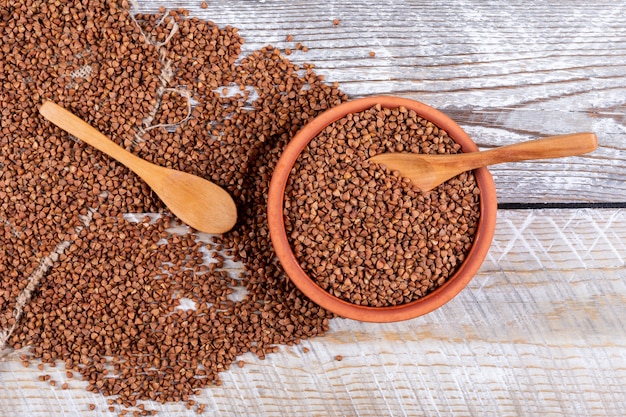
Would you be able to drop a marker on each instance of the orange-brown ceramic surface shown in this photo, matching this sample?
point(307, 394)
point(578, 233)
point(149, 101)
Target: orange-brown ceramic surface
point(440, 296)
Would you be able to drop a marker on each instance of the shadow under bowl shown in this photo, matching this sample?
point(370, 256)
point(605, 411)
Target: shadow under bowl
point(439, 296)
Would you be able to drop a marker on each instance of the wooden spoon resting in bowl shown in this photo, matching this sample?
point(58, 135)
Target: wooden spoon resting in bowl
point(428, 171)
point(199, 203)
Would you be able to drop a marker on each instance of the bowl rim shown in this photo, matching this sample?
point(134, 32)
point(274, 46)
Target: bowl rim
point(439, 296)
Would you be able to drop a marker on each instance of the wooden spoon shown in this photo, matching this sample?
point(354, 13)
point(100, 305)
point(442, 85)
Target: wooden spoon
point(199, 203)
point(428, 171)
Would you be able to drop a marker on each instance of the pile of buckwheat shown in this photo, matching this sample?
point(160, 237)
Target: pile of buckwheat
point(84, 285)
point(363, 233)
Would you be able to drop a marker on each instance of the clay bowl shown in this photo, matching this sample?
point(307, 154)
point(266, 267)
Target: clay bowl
point(426, 304)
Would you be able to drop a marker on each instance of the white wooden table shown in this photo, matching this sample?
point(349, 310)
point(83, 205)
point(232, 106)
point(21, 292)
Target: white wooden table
point(541, 330)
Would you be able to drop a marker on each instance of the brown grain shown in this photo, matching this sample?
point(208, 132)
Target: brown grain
point(363, 233)
point(108, 305)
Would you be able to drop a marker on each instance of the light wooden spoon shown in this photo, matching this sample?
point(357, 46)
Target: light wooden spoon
point(428, 171)
point(199, 203)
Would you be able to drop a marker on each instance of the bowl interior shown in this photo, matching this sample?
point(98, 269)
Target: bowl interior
point(441, 295)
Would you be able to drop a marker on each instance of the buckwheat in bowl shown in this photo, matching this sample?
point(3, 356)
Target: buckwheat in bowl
point(359, 239)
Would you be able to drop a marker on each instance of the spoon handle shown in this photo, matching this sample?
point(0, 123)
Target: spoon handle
point(90, 135)
point(550, 147)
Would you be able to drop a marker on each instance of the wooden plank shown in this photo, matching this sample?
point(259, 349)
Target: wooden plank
point(507, 72)
point(539, 331)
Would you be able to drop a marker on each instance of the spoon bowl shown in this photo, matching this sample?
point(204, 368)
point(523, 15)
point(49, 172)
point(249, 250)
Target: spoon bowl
point(199, 203)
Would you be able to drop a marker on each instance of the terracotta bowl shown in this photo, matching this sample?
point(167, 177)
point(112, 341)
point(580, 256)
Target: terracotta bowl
point(426, 304)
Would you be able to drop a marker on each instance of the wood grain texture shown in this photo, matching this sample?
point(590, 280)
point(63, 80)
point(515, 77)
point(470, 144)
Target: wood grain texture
point(505, 71)
point(540, 330)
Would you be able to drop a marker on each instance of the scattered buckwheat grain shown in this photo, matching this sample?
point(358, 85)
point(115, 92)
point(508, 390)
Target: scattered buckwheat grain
point(83, 284)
